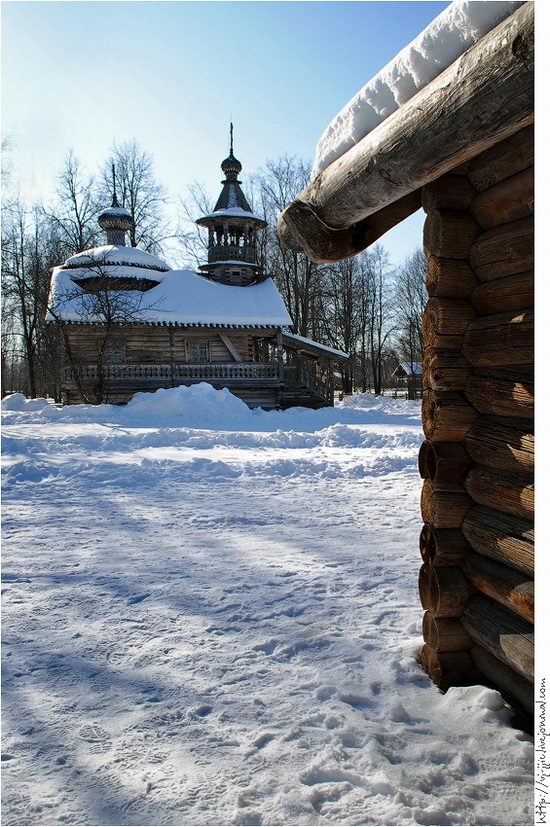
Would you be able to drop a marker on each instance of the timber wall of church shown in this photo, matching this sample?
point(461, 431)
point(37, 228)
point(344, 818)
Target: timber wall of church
point(477, 545)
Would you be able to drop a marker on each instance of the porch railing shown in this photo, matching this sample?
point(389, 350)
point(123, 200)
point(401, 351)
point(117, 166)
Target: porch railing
point(235, 371)
point(298, 374)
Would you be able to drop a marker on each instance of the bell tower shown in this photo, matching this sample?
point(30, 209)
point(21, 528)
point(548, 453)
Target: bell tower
point(232, 229)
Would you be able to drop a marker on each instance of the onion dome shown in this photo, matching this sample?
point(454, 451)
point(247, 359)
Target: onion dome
point(116, 267)
point(231, 166)
point(115, 220)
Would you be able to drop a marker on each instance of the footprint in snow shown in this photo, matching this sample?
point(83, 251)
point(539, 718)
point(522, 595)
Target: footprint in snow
point(138, 598)
point(98, 738)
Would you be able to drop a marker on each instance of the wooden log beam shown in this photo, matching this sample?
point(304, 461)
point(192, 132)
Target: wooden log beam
point(503, 444)
point(510, 588)
point(444, 505)
point(301, 229)
point(443, 461)
point(503, 160)
point(450, 192)
point(504, 250)
point(506, 539)
point(504, 635)
point(509, 200)
point(448, 668)
point(501, 339)
point(449, 277)
point(506, 679)
point(485, 96)
point(502, 491)
point(449, 233)
point(516, 292)
point(446, 416)
point(443, 546)
point(444, 592)
point(445, 634)
point(445, 370)
point(445, 321)
point(500, 397)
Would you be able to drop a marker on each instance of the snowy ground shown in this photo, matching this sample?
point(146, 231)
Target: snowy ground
point(210, 616)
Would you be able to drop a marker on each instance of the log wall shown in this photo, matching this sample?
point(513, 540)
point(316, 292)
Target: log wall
point(476, 579)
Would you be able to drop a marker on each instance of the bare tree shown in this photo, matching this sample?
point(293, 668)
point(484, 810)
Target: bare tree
point(298, 278)
point(74, 213)
point(104, 303)
point(139, 192)
point(381, 315)
point(410, 299)
point(25, 286)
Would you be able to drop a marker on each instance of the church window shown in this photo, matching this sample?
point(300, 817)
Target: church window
point(197, 350)
point(113, 353)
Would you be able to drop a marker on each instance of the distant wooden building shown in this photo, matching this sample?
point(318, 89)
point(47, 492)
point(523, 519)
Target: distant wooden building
point(408, 375)
point(462, 148)
point(129, 323)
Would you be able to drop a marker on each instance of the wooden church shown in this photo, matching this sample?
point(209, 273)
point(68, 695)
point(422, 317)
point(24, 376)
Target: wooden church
point(128, 322)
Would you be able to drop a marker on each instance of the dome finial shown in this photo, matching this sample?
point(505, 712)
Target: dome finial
point(114, 202)
point(230, 166)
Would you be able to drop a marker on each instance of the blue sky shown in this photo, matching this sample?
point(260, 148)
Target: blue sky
point(170, 74)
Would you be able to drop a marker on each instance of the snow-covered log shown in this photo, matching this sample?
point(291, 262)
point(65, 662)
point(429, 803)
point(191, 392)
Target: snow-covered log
point(485, 96)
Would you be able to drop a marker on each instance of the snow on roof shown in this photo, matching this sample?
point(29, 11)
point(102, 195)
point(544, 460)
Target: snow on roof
point(317, 345)
point(458, 27)
point(231, 212)
point(230, 261)
point(115, 211)
point(116, 255)
point(184, 297)
point(410, 368)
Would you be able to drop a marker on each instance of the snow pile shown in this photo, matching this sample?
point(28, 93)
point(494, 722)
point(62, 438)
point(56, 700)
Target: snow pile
point(458, 27)
point(19, 402)
point(199, 406)
point(203, 406)
point(189, 608)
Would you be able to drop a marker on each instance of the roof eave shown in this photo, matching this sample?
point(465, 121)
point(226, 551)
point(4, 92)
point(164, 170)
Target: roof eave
point(485, 96)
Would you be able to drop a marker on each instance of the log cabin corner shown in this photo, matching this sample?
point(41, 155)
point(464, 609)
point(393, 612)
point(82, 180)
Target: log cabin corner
point(462, 149)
